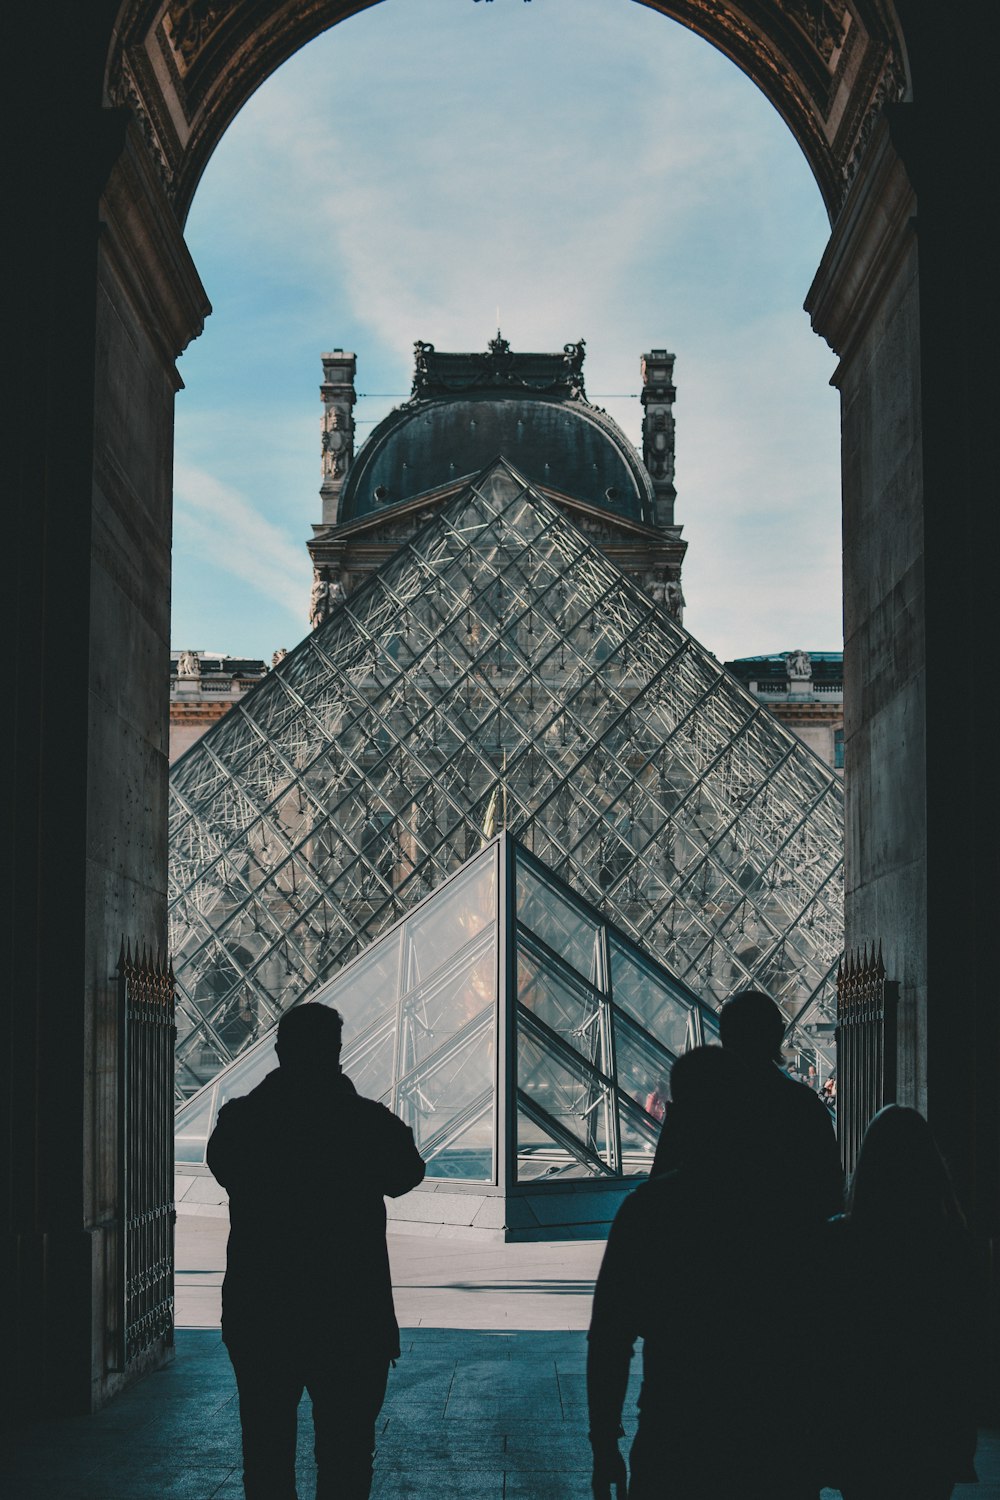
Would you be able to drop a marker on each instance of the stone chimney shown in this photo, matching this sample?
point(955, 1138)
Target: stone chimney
point(658, 430)
point(339, 396)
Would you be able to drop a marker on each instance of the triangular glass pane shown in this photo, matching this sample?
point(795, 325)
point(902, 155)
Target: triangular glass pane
point(544, 1151)
point(565, 1097)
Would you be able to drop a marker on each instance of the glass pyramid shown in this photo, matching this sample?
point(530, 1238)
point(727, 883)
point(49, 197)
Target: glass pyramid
point(497, 672)
point(516, 1031)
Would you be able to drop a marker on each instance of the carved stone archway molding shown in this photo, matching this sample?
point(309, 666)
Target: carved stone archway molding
point(187, 66)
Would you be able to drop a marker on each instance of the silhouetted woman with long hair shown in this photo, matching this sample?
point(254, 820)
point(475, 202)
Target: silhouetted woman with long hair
point(905, 1287)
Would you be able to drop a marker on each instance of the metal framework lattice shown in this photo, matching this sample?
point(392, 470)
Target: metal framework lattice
point(498, 671)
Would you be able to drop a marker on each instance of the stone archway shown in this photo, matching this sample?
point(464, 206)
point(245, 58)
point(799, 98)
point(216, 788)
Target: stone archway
point(186, 68)
point(887, 103)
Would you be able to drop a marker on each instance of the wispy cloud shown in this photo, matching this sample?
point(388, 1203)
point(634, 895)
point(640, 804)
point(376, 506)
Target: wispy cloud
point(592, 169)
point(216, 522)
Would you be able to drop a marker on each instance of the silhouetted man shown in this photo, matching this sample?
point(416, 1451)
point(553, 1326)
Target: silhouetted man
point(798, 1155)
point(711, 1278)
point(307, 1298)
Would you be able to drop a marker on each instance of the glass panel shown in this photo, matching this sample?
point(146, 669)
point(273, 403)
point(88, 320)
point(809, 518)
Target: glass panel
point(559, 923)
point(649, 1000)
point(194, 1124)
point(465, 908)
point(368, 1063)
point(643, 1071)
point(639, 1137)
point(367, 990)
point(566, 1092)
point(459, 994)
point(448, 1103)
point(569, 1009)
point(540, 1155)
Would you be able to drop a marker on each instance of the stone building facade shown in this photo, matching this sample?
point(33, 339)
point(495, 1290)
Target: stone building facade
point(805, 690)
point(465, 409)
point(204, 685)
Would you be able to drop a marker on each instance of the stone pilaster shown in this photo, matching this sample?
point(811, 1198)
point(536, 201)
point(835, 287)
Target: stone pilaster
point(657, 399)
point(339, 396)
point(865, 301)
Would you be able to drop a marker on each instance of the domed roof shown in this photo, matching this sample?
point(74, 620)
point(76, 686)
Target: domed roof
point(469, 409)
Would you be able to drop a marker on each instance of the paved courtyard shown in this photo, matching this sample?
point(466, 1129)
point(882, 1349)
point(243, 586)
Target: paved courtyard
point(487, 1401)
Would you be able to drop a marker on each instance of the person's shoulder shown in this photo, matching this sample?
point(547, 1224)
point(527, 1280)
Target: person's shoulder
point(652, 1197)
point(791, 1086)
point(373, 1111)
point(246, 1106)
point(799, 1095)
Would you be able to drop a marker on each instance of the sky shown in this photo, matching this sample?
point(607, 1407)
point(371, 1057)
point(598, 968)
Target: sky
point(579, 168)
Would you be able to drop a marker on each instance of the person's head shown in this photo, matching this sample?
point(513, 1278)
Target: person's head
point(706, 1104)
point(751, 1024)
point(900, 1174)
point(309, 1038)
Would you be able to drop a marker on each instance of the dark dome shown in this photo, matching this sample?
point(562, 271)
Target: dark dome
point(565, 445)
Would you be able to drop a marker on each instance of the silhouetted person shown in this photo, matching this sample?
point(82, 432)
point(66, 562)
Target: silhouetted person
point(711, 1279)
point(799, 1154)
point(307, 1299)
point(905, 1297)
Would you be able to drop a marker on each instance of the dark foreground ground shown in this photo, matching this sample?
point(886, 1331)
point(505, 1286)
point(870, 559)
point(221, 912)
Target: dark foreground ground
point(488, 1401)
point(471, 1413)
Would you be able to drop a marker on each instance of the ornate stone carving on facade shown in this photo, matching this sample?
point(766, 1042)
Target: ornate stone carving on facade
point(317, 599)
point(124, 91)
point(824, 23)
point(573, 357)
point(188, 664)
point(799, 666)
point(327, 592)
point(279, 655)
point(889, 89)
point(337, 429)
point(664, 588)
point(189, 24)
point(437, 374)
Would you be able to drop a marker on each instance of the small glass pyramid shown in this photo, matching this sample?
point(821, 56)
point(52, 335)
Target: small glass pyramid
point(497, 672)
point(518, 1033)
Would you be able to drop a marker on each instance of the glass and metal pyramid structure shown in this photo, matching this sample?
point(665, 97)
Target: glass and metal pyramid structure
point(525, 1039)
point(498, 672)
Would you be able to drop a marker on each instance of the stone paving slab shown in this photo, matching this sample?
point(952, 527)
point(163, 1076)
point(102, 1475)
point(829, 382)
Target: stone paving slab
point(437, 1283)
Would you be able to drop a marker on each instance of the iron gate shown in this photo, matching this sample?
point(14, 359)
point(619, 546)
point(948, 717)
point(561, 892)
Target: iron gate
point(146, 1037)
point(866, 1047)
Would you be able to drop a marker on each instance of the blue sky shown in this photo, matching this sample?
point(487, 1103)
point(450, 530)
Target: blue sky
point(593, 170)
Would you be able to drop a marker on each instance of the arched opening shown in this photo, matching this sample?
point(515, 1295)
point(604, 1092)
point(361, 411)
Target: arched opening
point(100, 322)
point(584, 201)
point(378, 231)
